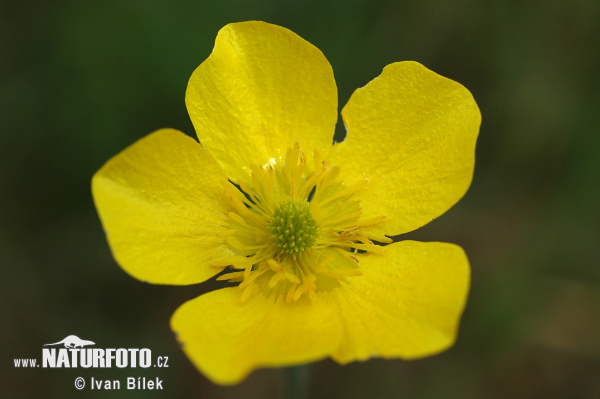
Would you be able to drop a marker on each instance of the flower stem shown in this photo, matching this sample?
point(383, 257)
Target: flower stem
point(296, 382)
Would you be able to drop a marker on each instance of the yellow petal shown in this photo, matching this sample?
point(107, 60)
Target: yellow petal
point(262, 89)
point(412, 132)
point(226, 340)
point(160, 205)
point(407, 303)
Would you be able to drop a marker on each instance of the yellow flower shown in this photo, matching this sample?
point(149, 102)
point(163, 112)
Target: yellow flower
point(298, 222)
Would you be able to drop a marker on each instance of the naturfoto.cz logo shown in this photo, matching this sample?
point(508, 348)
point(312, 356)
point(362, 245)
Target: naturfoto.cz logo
point(74, 352)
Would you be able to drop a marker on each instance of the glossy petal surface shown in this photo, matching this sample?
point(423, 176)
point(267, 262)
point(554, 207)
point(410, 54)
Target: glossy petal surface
point(262, 89)
point(226, 339)
point(161, 206)
point(406, 304)
point(412, 133)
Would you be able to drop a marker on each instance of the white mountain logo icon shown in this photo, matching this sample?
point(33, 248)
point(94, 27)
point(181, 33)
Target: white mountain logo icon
point(73, 341)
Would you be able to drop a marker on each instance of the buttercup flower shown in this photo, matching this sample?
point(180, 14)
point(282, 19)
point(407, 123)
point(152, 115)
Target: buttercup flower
point(301, 225)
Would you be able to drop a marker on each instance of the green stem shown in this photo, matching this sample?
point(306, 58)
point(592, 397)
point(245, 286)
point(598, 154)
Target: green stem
point(296, 382)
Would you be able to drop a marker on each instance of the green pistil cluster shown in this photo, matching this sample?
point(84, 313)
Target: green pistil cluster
point(293, 227)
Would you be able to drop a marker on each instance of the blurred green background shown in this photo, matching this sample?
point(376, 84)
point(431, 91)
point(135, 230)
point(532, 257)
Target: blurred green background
point(80, 81)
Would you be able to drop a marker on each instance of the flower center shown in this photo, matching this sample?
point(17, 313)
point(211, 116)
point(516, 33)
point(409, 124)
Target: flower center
point(293, 227)
point(297, 229)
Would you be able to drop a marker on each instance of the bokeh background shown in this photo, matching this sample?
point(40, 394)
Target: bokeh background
point(80, 81)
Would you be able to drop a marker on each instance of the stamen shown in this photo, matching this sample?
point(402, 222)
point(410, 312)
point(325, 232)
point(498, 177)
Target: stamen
point(287, 246)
